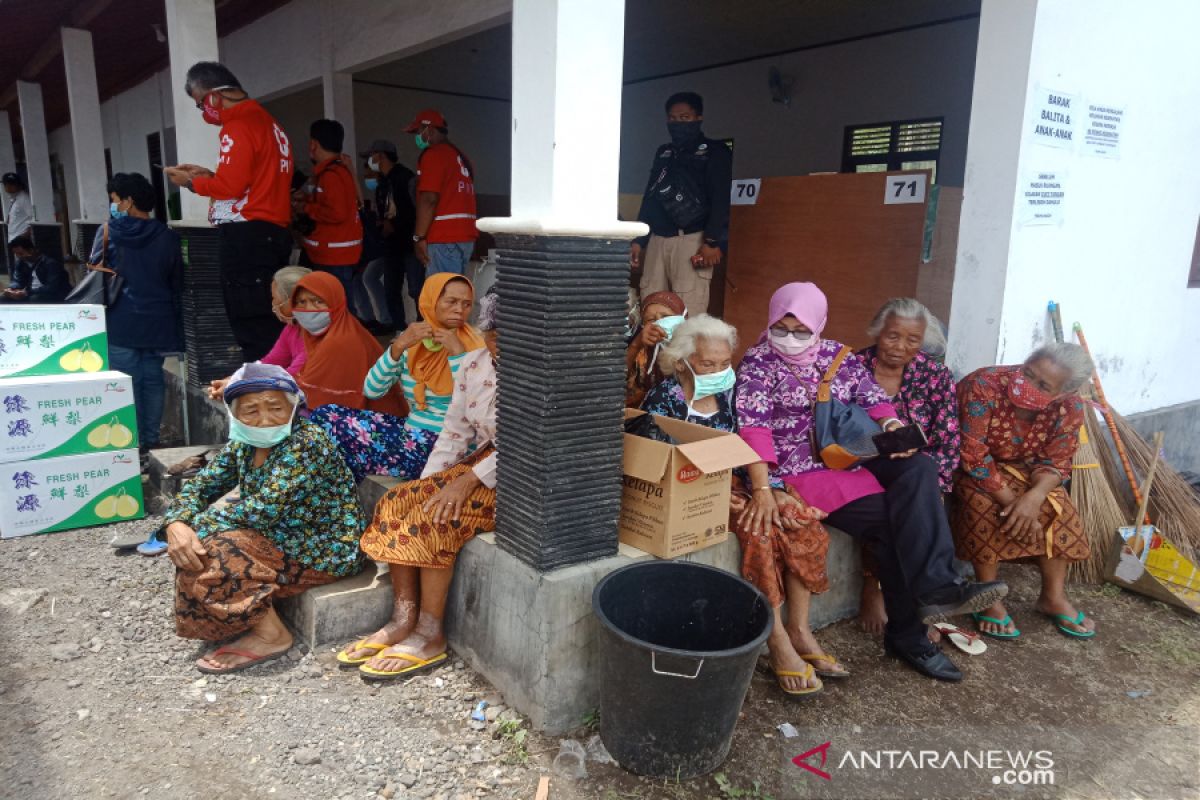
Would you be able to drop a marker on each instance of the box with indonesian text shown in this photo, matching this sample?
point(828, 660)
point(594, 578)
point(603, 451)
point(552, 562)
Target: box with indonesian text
point(675, 498)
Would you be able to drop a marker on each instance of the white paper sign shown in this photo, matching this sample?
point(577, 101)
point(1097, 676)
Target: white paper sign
point(744, 192)
point(1054, 117)
point(1102, 134)
point(1043, 197)
point(904, 189)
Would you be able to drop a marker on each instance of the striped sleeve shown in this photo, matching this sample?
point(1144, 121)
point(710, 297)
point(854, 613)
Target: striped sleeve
point(383, 375)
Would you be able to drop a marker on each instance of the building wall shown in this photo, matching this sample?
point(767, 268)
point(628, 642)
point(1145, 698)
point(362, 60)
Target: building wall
point(1119, 261)
point(921, 73)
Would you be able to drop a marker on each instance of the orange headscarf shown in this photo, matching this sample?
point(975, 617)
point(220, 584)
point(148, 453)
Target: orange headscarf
point(339, 359)
point(431, 370)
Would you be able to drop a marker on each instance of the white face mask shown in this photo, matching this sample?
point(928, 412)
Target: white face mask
point(789, 346)
point(373, 163)
point(315, 322)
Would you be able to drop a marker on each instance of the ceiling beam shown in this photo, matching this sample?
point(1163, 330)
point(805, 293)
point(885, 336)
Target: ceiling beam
point(81, 16)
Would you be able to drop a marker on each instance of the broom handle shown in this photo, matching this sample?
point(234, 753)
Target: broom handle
point(1141, 515)
point(1112, 423)
point(1056, 320)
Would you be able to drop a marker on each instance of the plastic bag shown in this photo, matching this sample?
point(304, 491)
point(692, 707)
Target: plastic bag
point(596, 751)
point(569, 763)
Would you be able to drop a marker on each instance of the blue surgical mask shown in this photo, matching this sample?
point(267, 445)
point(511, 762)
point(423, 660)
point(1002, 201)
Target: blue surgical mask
point(713, 383)
point(115, 212)
point(669, 324)
point(258, 437)
point(371, 183)
point(421, 141)
point(315, 322)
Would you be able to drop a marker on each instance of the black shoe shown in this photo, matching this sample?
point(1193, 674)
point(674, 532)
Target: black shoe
point(932, 662)
point(963, 598)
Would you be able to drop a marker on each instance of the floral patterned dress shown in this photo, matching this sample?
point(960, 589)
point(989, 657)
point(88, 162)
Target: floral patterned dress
point(296, 525)
point(1000, 450)
point(667, 400)
point(926, 398)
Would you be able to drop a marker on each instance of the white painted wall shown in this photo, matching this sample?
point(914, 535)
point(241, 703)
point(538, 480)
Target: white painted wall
point(1119, 262)
point(921, 73)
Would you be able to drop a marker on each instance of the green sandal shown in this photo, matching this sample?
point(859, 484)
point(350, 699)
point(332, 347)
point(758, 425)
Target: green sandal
point(1076, 620)
point(1003, 623)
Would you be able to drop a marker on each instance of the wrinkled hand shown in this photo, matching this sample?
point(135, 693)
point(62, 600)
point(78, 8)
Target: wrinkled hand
point(794, 512)
point(652, 335)
point(761, 513)
point(409, 337)
point(447, 505)
point(184, 547)
point(421, 250)
point(449, 340)
point(1021, 518)
point(709, 256)
point(635, 256)
point(216, 389)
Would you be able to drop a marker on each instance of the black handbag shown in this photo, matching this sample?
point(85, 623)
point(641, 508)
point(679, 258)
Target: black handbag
point(684, 201)
point(101, 285)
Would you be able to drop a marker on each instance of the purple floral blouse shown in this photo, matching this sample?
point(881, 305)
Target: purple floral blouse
point(775, 398)
point(927, 399)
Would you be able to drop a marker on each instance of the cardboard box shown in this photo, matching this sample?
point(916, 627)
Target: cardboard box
point(61, 415)
point(52, 340)
point(676, 497)
point(1144, 561)
point(59, 494)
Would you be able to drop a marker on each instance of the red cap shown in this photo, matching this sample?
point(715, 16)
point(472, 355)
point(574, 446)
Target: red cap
point(429, 116)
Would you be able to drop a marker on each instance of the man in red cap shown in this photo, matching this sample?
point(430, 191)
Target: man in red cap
point(445, 232)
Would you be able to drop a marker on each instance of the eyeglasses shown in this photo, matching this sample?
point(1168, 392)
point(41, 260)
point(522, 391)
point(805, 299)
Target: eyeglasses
point(783, 333)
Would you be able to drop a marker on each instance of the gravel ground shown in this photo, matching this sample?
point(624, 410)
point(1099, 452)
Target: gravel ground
point(99, 698)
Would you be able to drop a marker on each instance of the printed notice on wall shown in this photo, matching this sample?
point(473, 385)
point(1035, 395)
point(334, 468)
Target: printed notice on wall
point(1042, 198)
point(1102, 136)
point(1054, 118)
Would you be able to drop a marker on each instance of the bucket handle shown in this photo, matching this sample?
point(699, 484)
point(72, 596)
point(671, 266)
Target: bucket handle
point(654, 668)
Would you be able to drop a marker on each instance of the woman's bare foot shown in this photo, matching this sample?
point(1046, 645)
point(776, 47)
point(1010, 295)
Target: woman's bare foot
point(397, 629)
point(260, 643)
point(803, 642)
point(871, 614)
point(997, 612)
point(1054, 607)
point(426, 641)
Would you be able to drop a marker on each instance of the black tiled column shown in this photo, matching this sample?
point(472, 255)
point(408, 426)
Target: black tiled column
point(212, 352)
point(562, 391)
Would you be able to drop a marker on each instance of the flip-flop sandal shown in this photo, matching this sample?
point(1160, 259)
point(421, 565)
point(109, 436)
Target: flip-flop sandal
point(362, 644)
point(127, 541)
point(969, 643)
point(1076, 620)
point(809, 675)
point(1003, 623)
point(255, 660)
point(813, 658)
point(153, 546)
point(418, 665)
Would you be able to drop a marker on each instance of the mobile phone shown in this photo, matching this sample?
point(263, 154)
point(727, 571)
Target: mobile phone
point(156, 166)
point(900, 440)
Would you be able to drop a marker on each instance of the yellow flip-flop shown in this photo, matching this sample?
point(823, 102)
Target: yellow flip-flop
point(369, 673)
point(361, 644)
point(813, 658)
point(808, 675)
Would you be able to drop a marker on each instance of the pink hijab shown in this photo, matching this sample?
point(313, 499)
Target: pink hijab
point(805, 302)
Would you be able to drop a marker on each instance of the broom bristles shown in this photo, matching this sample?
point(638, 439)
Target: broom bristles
point(1098, 507)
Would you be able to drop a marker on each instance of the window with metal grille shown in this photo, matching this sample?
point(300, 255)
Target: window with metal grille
point(884, 146)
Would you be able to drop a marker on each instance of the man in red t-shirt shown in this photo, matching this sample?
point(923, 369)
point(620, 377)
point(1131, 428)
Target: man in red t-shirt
point(330, 200)
point(445, 232)
point(251, 201)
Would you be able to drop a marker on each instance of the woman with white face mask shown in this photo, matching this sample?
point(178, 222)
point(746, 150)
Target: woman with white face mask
point(297, 523)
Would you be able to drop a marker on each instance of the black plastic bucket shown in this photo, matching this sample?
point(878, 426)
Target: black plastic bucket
point(677, 654)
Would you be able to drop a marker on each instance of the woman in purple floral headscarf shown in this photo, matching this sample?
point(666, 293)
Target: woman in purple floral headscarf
point(922, 391)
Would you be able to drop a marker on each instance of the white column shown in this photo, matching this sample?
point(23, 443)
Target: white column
point(87, 131)
point(339, 104)
point(8, 158)
point(37, 151)
point(191, 37)
point(566, 118)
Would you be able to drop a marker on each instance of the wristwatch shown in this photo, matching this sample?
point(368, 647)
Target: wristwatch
point(418, 238)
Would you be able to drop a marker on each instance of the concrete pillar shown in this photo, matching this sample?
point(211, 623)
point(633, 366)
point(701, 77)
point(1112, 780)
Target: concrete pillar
point(563, 265)
point(37, 151)
point(8, 156)
point(87, 131)
point(191, 37)
point(339, 104)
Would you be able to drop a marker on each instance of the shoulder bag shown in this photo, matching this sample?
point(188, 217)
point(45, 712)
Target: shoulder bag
point(842, 432)
point(101, 285)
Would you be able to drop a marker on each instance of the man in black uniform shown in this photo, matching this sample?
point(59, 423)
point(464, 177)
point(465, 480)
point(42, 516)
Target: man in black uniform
point(397, 215)
point(686, 205)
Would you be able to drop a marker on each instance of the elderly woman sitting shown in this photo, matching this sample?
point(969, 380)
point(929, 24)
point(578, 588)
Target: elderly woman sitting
point(905, 528)
point(788, 562)
point(420, 526)
point(1020, 431)
point(296, 524)
point(922, 392)
point(661, 313)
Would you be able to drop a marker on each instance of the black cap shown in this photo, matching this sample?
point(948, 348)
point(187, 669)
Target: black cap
point(381, 146)
point(12, 177)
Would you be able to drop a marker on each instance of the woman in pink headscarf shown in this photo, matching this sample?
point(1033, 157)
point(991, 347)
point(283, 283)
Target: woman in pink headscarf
point(905, 528)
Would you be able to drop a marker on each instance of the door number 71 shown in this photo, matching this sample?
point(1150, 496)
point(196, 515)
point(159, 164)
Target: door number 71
point(904, 189)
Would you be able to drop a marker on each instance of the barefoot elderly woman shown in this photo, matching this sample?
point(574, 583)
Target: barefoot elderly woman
point(905, 528)
point(787, 563)
point(420, 526)
point(1020, 431)
point(296, 525)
